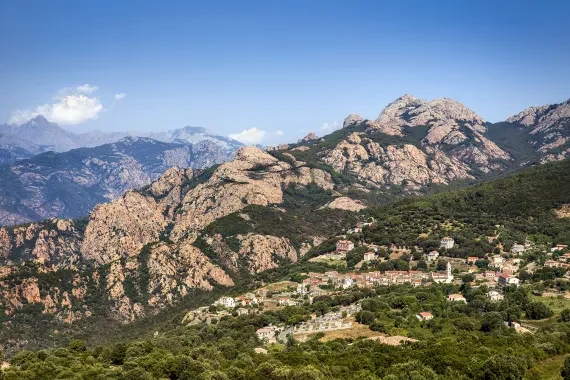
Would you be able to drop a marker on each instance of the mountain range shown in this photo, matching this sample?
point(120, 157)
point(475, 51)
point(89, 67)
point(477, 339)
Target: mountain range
point(47, 171)
point(38, 135)
point(412, 146)
point(202, 230)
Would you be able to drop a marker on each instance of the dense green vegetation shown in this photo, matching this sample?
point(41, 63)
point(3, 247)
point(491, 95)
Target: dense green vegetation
point(514, 208)
point(463, 341)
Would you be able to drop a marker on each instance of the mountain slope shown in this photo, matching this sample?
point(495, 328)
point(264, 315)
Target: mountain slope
point(189, 232)
point(70, 184)
point(548, 129)
point(412, 144)
point(152, 247)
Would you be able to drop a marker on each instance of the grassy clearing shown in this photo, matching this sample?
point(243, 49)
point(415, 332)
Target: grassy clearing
point(556, 304)
point(548, 369)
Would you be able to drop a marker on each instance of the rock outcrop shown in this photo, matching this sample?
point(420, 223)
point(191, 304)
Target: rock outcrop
point(452, 145)
point(548, 129)
point(310, 137)
point(346, 203)
point(140, 252)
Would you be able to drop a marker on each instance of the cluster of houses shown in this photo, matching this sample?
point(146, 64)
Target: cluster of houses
point(316, 281)
point(243, 301)
point(562, 262)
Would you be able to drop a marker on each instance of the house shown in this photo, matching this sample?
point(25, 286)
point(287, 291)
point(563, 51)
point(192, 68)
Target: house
point(497, 261)
point(507, 279)
point(432, 256)
point(344, 246)
point(242, 311)
point(286, 301)
point(266, 333)
point(447, 242)
point(565, 258)
point(558, 248)
point(369, 256)
point(443, 278)
point(228, 302)
point(456, 298)
point(552, 264)
point(518, 249)
point(495, 296)
point(472, 260)
point(424, 316)
point(346, 282)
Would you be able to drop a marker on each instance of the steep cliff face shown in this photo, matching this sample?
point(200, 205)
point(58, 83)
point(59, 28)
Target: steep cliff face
point(548, 129)
point(148, 249)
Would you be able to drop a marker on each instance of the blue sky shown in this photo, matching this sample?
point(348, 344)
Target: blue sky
point(290, 66)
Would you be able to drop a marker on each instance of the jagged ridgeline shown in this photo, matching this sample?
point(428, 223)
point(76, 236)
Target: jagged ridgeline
point(189, 230)
point(196, 233)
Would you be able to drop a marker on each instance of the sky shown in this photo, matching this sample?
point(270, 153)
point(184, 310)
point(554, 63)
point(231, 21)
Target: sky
point(271, 71)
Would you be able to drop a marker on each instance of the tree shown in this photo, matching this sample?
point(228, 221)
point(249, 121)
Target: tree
point(482, 264)
point(365, 317)
point(565, 315)
point(467, 278)
point(491, 321)
point(565, 370)
point(77, 345)
point(504, 367)
point(537, 310)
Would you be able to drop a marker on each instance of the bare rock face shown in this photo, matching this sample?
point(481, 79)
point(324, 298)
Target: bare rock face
point(310, 137)
point(173, 272)
point(393, 165)
point(5, 243)
point(121, 228)
point(542, 118)
point(261, 250)
point(352, 119)
point(411, 111)
point(140, 251)
point(454, 145)
point(549, 129)
point(346, 203)
point(254, 177)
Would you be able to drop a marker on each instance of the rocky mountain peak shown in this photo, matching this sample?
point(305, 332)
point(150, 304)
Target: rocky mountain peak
point(253, 155)
point(311, 136)
point(410, 111)
point(38, 120)
point(352, 119)
point(542, 118)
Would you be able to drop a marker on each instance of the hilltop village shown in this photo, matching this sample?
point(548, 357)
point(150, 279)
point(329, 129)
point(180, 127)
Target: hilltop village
point(493, 274)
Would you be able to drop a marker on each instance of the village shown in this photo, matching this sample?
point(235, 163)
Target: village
point(501, 272)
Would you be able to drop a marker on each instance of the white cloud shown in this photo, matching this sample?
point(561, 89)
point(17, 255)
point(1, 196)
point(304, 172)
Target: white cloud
point(86, 89)
point(72, 106)
point(330, 127)
point(279, 132)
point(249, 136)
